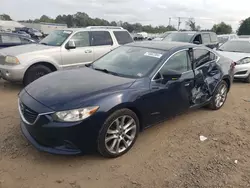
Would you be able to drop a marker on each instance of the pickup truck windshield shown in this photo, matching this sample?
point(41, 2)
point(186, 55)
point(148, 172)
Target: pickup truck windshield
point(236, 46)
point(179, 37)
point(56, 38)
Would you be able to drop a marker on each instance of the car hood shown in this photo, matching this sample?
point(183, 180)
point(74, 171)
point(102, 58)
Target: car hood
point(69, 89)
point(235, 56)
point(22, 49)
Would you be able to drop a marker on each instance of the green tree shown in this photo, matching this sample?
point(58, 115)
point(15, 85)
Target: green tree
point(192, 25)
point(47, 19)
point(244, 28)
point(81, 19)
point(5, 17)
point(222, 28)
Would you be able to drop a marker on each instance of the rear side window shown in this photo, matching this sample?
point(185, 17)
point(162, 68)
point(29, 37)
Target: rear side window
point(11, 39)
point(214, 37)
point(101, 38)
point(206, 38)
point(202, 56)
point(123, 37)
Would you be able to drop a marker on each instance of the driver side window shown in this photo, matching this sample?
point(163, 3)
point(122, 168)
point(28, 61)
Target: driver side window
point(81, 39)
point(179, 62)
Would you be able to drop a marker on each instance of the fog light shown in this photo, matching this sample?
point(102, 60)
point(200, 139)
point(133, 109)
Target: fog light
point(7, 73)
point(69, 145)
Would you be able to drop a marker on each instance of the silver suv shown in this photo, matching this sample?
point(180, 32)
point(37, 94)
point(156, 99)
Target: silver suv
point(62, 49)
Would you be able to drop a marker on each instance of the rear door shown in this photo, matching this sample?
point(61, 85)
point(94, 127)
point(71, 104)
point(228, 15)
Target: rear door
point(123, 37)
point(101, 43)
point(207, 75)
point(82, 54)
point(214, 40)
point(207, 40)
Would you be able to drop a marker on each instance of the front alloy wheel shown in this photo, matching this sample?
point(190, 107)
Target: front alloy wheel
point(118, 133)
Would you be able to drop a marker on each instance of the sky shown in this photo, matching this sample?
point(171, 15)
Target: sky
point(154, 12)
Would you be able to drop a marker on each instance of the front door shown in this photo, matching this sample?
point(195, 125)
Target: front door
point(101, 42)
point(171, 88)
point(207, 75)
point(81, 55)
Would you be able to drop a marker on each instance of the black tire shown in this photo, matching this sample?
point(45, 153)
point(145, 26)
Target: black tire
point(101, 146)
point(35, 72)
point(212, 105)
point(247, 80)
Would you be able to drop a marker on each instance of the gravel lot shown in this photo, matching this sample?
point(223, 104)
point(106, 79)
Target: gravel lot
point(166, 155)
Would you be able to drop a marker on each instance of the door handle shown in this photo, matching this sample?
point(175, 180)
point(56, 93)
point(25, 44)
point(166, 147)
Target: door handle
point(187, 84)
point(88, 51)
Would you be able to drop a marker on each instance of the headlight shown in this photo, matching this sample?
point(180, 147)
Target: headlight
point(244, 61)
point(12, 60)
point(75, 115)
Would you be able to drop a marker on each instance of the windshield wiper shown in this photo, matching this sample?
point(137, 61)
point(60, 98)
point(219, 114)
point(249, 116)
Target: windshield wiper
point(106, 71)
point(43, 43)
point(220, 50)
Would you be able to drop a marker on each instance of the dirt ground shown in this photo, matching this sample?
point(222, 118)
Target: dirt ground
point(166, 155)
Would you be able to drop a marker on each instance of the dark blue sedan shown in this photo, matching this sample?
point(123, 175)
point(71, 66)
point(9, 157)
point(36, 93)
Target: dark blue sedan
point(103, 106)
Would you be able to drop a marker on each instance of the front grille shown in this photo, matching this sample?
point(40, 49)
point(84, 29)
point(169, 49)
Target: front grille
point(28, 114)
point(2, 59)
point(241, 72)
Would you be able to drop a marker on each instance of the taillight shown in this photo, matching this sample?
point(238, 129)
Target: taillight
point(233, 64)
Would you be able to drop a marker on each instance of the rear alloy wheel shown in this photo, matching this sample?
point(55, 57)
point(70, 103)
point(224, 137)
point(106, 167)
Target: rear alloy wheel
point(35, 72)
point(220, 96)
point(118, 134)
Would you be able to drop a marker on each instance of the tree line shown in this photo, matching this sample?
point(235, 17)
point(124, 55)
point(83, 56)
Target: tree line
point(81, 19)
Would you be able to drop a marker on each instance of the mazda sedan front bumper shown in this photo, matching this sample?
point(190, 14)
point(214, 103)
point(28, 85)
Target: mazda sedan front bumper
point(64, 138)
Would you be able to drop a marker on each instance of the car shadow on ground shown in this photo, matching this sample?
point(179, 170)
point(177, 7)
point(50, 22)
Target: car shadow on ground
point(30, 152)
point(4, 85)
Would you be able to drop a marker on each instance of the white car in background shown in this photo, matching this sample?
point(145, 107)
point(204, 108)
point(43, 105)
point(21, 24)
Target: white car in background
point(224, 38)
point(239, 51)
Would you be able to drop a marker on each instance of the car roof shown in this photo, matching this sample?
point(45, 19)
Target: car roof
point(92, 29)
point(241, 39)
point(226, 35)
point(194, 32)
point(161, 45)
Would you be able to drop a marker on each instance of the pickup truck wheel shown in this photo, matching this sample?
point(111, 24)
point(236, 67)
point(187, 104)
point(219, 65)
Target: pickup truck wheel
point(35, 72)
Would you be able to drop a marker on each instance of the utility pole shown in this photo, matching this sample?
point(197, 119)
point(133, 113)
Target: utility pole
point(179, 23)
point(169, 22)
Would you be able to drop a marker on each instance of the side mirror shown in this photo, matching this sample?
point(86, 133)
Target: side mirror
point(70, 45)
point(170, 75)
point(197, 42)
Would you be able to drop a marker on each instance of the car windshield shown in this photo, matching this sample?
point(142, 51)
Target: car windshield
point(128, 61)
point(236, 46)
point(56, 38)
point(223, 39)
point(179, 37)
